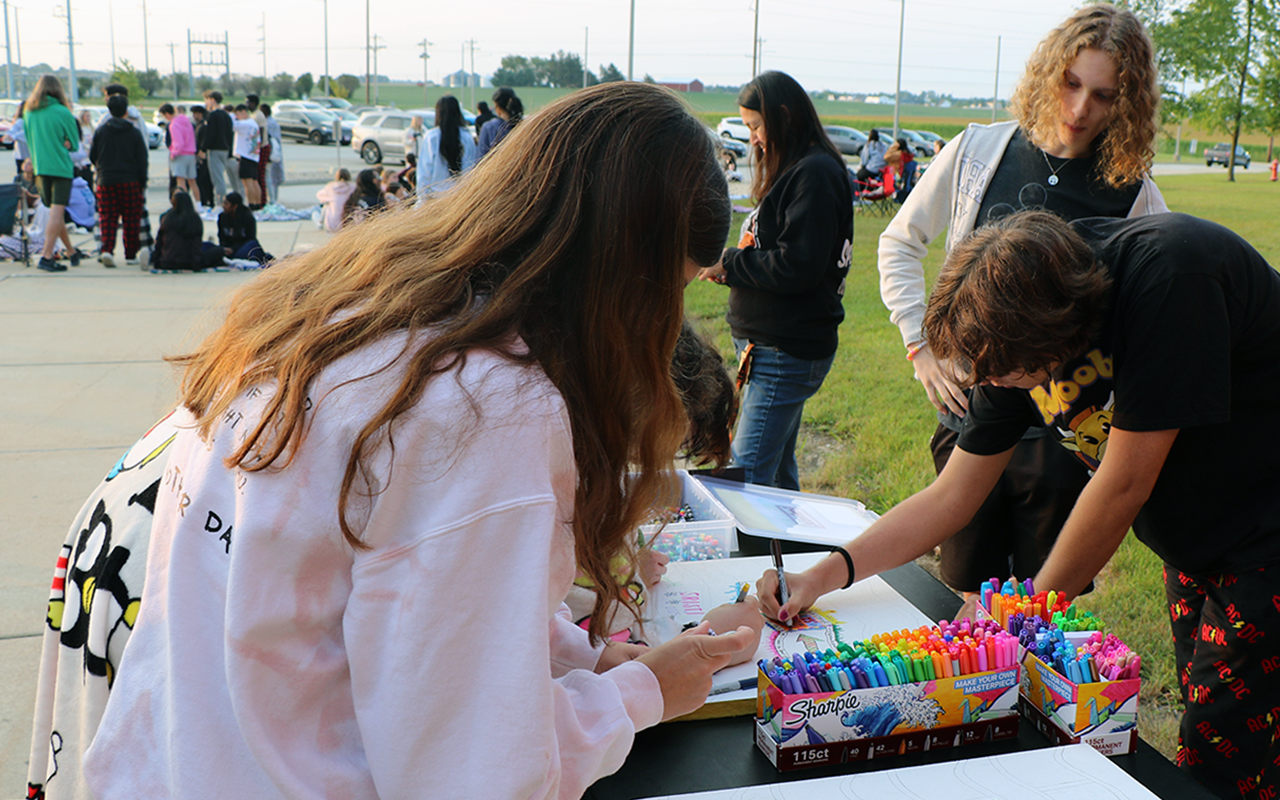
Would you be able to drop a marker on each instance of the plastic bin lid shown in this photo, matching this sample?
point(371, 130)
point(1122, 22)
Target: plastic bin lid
point(794, 516)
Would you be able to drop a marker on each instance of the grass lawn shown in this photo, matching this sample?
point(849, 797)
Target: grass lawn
point(865, 434)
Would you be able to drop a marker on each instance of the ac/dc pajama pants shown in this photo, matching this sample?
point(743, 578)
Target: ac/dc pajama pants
point(1226, 639)
point(120, 203)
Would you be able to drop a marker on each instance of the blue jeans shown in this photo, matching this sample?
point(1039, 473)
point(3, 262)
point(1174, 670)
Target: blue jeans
point(764, 443)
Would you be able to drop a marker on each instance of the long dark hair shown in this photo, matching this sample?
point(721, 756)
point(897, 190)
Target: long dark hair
point(367, 184)
point(182, 220)
point(791, 126)
point(550, 238)
point(450, 121)
point(505, 99)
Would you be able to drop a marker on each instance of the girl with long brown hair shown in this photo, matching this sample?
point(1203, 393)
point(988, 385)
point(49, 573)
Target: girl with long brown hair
point(786, 279)
point(1080, 146)
point(52, 134)
point(392, 456)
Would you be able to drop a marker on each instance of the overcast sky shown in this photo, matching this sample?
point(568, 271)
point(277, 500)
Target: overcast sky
point(849, 45)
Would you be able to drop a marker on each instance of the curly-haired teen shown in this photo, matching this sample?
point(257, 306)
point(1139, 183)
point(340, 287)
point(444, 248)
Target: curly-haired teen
point(1149, 349)
point(1080, 146)
point(410, 437)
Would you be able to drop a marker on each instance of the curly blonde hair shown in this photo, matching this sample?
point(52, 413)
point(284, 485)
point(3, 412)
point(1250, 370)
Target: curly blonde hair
point(1127, 144)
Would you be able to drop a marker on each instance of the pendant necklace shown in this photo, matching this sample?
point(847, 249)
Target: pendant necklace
point(1052, 180)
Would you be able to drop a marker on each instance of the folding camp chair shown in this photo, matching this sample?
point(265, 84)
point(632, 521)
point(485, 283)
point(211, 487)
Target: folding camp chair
point(11, 217)
point(877, 197)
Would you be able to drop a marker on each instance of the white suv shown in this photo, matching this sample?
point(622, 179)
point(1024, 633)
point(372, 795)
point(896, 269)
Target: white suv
point(734, 128)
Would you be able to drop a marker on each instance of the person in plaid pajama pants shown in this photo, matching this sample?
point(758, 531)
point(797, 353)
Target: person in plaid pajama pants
point(120, 155)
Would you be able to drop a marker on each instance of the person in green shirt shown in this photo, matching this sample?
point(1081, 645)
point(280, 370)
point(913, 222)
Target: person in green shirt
point(52, 133)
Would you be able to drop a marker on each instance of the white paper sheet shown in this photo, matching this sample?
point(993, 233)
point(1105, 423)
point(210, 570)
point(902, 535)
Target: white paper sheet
point(691, 588)
point(1075, 772)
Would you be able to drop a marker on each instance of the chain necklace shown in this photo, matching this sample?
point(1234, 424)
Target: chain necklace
point(1052, 180)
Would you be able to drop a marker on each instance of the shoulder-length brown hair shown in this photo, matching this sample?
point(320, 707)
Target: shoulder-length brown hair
point(47, 86)
point(574, 235)
point(1127, 146)
point(1017, 295)
point(791, 127)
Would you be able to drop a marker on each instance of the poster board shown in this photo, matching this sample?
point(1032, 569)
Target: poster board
point(691, 588)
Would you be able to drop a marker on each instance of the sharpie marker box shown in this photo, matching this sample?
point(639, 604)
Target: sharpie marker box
point(1103, 714)
point(810, 730)
point(711, 535)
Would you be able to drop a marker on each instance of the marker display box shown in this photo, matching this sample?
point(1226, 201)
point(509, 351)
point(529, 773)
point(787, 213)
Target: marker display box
point(796, 731)
point(1103, 714)
point(711, 535)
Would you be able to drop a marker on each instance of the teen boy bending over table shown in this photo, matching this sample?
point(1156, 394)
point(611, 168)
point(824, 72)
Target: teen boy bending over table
point(1151, 346)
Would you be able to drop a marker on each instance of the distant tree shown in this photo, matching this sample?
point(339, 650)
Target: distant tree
point(649, 78)
point(85, 85)
point(203, 84)
point(125, 75)
point(564, 70)
point(348, 82)
point(150, 81)
point(1266, 100)
point(282, 85)
point(231, 84)
point(258, 85)
point(178, 79)
point(1218, 43)
point(514, 71)
point(304, 84)
point(610, 74)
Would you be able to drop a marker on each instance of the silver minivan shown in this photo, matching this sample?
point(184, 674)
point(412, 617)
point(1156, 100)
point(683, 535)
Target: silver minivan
point(379, 135)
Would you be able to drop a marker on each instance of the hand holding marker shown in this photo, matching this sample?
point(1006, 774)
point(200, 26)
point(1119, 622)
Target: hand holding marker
point(783, 594)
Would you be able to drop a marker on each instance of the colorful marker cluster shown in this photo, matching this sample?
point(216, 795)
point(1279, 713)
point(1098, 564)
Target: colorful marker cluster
point(1099, 658)
point(952, 649)
point(686, 546)
point(1012, 598)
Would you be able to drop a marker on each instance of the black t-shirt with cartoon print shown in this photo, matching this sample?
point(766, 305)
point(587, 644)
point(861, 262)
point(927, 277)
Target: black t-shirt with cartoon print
point(1021, 182)
point(1192, 342)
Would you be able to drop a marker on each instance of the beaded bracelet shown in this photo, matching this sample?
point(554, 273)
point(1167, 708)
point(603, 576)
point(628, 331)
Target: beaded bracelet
point(848, 562)
point(915, 349)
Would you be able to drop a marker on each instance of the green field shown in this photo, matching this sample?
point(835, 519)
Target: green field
point(865, 434)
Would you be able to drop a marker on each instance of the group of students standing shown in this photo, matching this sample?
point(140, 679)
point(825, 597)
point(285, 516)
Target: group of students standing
point(331, 511)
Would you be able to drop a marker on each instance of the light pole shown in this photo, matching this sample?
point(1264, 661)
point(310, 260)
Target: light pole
point(586, 40)
point(426, 57)
point(65, 11)
point(146, 48)
point(111, 27)
point(327, 93)
point(995, 92)
point(897, 91)
point(755, 43)
point(8, 55)
point(631, 44)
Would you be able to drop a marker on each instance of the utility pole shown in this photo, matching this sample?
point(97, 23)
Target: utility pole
point(8, 55)
point(366, 51)
point(755, 43)
point(111, 27)
point(146, 48)
point(65, 11)
point(327, 93)
point(586, 39)
point(631, 44)
point(995, 93)
point(173, 67)
point(263, 39)
point(897, 91)
point(426, 57)
point(472, 77)
point(376, 48)
point(17, 43)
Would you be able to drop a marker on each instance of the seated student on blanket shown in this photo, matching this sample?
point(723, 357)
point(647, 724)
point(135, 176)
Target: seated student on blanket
point(707, 393)
point(1151, 348)
point(238, 231)
point(338, 526)
point(179, 242)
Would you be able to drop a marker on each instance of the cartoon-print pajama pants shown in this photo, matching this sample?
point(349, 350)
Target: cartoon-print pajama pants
point(1226, 638)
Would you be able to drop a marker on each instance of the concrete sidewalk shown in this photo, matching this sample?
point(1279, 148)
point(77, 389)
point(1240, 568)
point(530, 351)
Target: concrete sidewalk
point(82, 378)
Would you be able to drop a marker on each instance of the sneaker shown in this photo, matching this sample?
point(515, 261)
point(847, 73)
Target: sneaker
point(75, 258)
point(144, 257)
point(49, 265)
point(107, 260)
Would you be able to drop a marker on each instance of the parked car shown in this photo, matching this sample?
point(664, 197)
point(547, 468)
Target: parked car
point(849, 141)
point(734, 146)
point(155, 134)
point(305, 125)
point(294, 105)
point(1220, 154)
point(929, 138)
point(919, 146)
point(333, 103)
point(379, 135)
point(733, 128)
